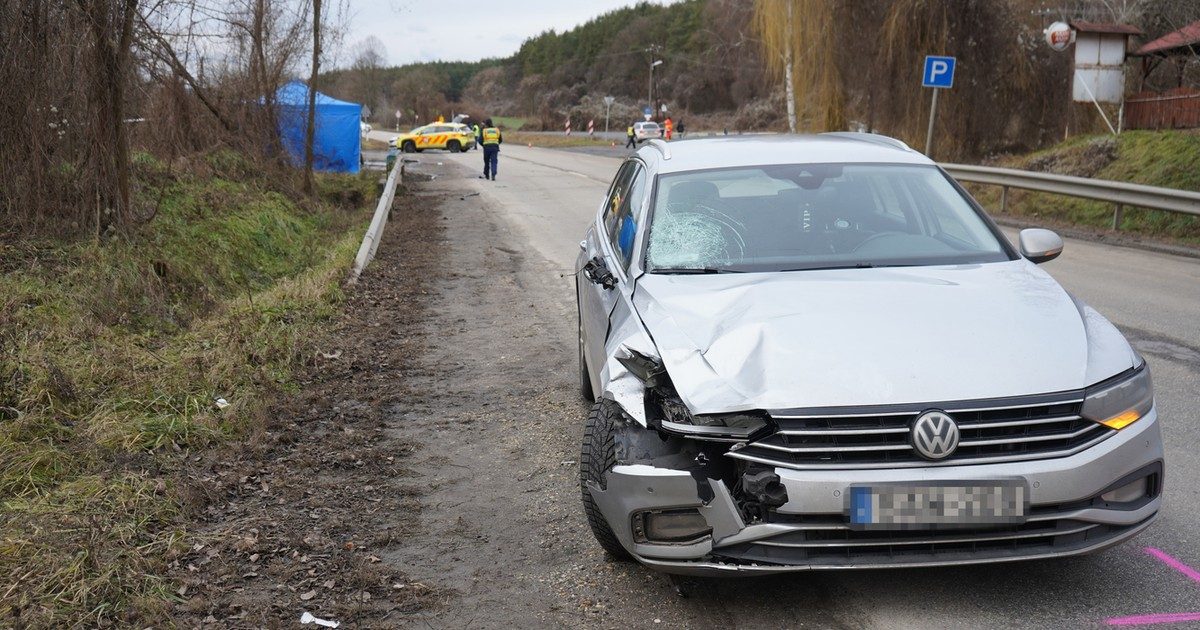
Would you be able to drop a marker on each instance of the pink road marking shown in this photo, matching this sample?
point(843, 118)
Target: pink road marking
point(1145, 620)
point(1174, 563)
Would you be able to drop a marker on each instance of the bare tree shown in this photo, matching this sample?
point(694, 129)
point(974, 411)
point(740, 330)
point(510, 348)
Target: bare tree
point(370, 56)
point(797, 36)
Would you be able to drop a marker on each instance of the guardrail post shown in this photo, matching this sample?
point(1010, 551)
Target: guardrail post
point(1004, 200)
point(1117, 216)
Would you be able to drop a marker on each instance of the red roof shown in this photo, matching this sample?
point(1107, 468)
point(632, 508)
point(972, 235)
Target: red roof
point(1182, 38)
point(1094, 27)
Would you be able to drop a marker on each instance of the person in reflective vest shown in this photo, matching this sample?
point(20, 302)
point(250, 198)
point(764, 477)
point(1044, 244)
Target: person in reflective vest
point(478, 134)
point(491, 148)
point(669, 128)
point(631, 138)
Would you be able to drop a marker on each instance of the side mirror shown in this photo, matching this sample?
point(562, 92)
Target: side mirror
point(1040, 245)
point(596, 271)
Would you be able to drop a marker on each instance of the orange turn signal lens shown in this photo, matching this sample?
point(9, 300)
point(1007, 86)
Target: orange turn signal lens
point(1120, 421)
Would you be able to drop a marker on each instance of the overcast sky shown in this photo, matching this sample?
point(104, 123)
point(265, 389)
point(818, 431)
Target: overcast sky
point(420, 30)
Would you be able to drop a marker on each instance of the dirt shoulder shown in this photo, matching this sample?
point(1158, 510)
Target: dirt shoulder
point(298, 517)
point(433, 464)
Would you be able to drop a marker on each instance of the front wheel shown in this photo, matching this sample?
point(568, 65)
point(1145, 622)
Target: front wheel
point(408, 147)
point(454, 147)
point(597, 456)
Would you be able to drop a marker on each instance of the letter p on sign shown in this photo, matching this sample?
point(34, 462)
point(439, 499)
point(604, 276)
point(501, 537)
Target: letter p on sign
point(939, 72)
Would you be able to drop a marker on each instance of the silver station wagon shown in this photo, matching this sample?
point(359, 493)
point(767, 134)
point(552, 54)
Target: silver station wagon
point(819, 352)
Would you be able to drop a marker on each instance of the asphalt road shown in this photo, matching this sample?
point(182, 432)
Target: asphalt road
point(548, 197)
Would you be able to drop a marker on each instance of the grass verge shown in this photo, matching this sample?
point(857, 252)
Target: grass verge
point(113, 356)
point(510, 123)
point(1169, 159)
point(555, 141)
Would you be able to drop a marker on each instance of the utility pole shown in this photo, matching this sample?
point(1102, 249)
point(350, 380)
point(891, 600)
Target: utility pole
point(650, 90)
point(608, 101)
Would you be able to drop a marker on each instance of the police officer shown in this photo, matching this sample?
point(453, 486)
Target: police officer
point(631, 138)
point(491, 140)
point(478, 134)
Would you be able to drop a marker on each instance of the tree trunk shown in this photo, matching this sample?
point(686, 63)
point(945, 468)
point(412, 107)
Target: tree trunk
point(788, 85)
point(310, 129)
point(112, 38)
point(262, 76)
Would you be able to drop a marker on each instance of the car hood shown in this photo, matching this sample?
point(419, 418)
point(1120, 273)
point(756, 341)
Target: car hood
point(774, 341)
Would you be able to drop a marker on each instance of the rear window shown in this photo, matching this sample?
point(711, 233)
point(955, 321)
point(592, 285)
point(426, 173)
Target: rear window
point(815, 216)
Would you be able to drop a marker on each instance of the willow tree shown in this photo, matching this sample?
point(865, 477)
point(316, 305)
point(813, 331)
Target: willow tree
point(799, 41)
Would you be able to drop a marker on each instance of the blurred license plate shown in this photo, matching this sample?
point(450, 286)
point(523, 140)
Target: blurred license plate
point(924, 506)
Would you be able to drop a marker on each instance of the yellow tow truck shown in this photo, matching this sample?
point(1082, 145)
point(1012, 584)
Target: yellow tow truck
point(453, 137)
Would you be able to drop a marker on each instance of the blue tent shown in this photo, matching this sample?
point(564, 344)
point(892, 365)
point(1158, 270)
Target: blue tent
point(337, 144)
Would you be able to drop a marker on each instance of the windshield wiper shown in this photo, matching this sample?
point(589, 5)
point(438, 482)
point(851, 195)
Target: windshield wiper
point(694, 270)
point(857, 265)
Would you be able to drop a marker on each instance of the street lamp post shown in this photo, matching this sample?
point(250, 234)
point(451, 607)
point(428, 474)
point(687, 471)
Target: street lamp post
point(650, 92)
point(608, 101)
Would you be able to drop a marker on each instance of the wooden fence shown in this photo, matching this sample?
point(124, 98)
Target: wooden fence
point(1174, 109)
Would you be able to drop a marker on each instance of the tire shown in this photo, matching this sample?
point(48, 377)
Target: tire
point(585, 379)
point(597, 456)
point(454, 147)
point(408, 147)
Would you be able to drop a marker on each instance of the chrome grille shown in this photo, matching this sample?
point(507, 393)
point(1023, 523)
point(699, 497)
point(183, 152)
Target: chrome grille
point(834, 544)
point(1038, 427)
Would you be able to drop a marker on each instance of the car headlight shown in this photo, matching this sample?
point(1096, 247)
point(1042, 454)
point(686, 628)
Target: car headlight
point(1120, 404)
point(740, 425)
point(674, 415)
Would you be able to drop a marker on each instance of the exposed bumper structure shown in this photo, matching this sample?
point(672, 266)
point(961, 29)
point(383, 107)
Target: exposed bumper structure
point(1067, 515)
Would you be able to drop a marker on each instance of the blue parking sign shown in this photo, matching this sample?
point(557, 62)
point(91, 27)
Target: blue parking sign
point(939, 72)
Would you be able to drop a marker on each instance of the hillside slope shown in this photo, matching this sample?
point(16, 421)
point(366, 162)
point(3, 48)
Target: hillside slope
point(1170, 159)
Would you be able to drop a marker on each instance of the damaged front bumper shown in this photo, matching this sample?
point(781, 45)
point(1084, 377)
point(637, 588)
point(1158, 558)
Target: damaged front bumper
point(808, 529)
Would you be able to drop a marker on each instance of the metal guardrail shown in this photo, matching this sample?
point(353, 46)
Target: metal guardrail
point(1120, 194)
point(370, 242)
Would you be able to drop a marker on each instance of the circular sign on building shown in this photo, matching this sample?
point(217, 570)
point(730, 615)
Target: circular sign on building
point(1058, 35)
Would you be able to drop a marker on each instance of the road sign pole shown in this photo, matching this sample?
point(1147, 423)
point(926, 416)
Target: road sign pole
point(932, 116)
point(938, 75)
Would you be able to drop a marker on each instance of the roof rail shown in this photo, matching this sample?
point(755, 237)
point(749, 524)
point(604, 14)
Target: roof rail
point(870, 137)
point(662, 147)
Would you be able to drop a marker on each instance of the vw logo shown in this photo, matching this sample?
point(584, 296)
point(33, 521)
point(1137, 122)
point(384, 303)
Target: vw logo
point(934, 435)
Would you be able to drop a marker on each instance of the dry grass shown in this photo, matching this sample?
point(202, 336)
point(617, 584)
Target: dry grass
point(111, 358)
point(554, 141)
point(371, 144)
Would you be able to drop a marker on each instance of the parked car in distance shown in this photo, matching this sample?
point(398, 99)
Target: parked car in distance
point(643, 131)
point(819, 352)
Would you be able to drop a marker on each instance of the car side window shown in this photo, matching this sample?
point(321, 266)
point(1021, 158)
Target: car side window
point(625, 229)
point(616, 197)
